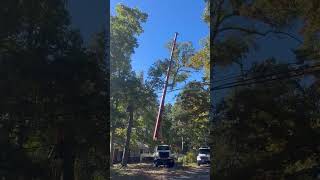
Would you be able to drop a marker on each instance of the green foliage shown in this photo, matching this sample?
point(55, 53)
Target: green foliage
point(190, 157)
point(188, 118)
point(201, 59)
point(128, 88)
point(180, 68)
point(125, 26)
point(258, 127)
point(51, 82)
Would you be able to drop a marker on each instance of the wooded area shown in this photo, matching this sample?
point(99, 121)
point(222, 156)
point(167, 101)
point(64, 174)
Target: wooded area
point(54, 89)
point(53, 95)
point(184, 122)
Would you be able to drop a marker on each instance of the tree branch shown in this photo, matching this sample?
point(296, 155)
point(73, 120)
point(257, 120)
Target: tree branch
point(252, 31)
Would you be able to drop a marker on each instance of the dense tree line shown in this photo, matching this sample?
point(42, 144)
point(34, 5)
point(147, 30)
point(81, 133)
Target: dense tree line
point(53, 100)
point(130, 89)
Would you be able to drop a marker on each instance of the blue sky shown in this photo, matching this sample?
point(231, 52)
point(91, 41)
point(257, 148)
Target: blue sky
point(165, 17)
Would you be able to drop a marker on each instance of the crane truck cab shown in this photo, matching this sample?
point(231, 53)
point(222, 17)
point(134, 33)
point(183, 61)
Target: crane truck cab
point(203, 156)
point(163, 156)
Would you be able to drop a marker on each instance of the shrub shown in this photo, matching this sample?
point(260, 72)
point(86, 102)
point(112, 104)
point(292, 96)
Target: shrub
point(190, 157)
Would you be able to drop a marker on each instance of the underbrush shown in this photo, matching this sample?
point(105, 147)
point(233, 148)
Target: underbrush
point(188, 159)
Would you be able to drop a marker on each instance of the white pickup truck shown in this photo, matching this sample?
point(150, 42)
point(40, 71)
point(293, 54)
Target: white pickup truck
point(203, 156)
point(163, 156)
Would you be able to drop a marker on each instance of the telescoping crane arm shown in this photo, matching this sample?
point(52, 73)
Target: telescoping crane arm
point(156, 135)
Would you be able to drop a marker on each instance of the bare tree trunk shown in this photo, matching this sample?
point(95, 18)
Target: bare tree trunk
point(112, 148)
point(112, 138)
point(127, 145)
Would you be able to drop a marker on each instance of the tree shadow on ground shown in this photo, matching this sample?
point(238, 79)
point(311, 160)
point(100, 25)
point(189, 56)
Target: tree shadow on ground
point(189, 172)
point(147, 171)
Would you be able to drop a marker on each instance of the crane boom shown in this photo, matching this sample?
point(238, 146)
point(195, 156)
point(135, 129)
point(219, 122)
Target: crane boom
point(159, 116)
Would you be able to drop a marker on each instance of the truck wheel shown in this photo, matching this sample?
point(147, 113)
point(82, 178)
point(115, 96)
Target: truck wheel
point(172, 164)
point(199, 164)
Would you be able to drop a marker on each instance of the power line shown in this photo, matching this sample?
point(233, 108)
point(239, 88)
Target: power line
point(260, 79)
point(238, 76)
point(293, 63)
point(256, 82)
point(269, 75)
point(234, 76)
point(263, 80)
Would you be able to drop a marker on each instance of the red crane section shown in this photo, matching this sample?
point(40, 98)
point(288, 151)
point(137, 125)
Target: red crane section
point(156, 134)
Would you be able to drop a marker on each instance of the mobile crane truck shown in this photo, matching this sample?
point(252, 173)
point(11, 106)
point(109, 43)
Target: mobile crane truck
point(163, 156)
point(162, 152)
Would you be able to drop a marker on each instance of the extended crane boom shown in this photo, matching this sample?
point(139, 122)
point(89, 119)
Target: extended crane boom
point(159, 117)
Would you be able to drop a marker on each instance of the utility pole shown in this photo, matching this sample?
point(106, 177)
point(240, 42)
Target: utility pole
point(161, 107)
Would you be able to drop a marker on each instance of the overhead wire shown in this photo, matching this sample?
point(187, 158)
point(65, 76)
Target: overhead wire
point(235, 77)
point(268, 75)
point(257, 81)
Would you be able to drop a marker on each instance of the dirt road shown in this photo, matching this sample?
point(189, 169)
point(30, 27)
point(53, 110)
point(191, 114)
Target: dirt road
point(146, 171)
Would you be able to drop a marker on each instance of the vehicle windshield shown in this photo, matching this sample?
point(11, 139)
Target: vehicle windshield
point(204, 151)
point(163, 148)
